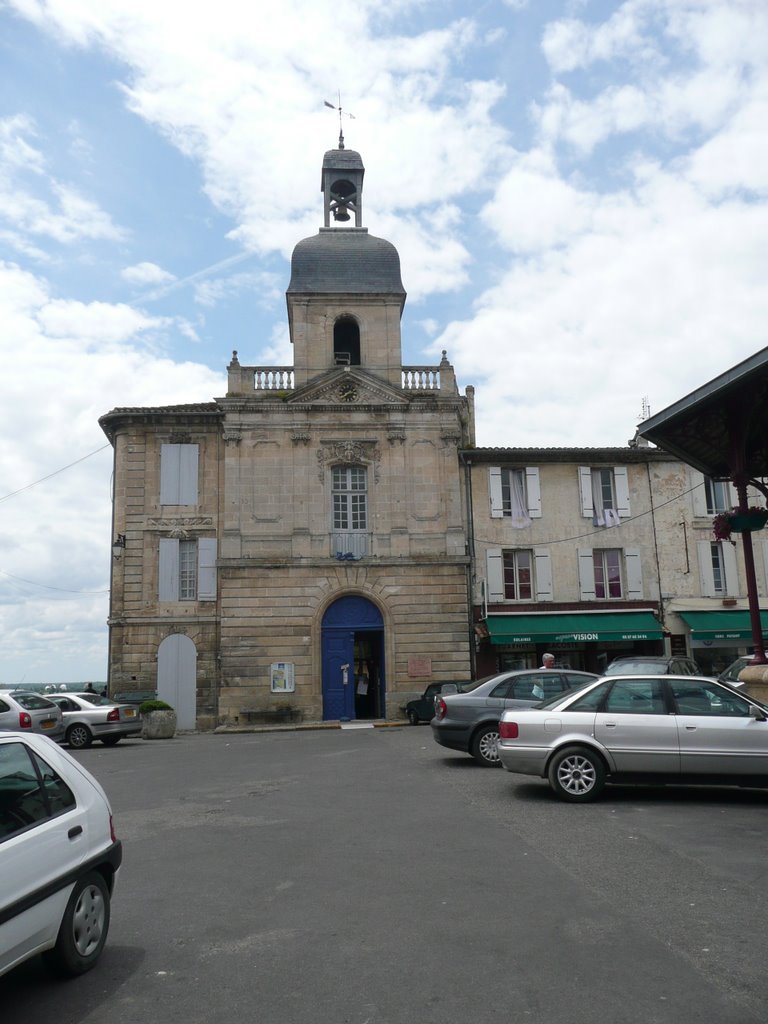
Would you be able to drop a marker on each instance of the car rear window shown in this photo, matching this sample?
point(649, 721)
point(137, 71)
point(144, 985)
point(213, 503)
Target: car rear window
point(96, 698)
point(32, 701)
point(637, 668)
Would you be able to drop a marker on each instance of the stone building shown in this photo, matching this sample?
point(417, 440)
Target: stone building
point(595, 554)
point(299, 546)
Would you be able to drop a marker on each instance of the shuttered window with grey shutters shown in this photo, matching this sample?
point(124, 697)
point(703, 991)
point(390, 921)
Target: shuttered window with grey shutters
point(178, 474)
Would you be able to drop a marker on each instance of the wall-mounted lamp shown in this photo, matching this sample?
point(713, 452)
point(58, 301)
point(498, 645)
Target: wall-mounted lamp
point(118, 545)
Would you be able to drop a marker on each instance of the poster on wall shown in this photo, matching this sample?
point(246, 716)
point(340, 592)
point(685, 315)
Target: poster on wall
point(282, 679)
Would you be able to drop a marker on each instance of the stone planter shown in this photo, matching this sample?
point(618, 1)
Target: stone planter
point(158, 725)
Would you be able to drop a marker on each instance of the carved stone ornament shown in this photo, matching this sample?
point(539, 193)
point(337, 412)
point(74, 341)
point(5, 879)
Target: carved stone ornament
point(175, 526)
point(396, 437)
point(348, 452)
point(299, 437)
point(232, 437)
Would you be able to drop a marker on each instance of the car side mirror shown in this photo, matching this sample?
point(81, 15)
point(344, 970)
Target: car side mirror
point(757, 713)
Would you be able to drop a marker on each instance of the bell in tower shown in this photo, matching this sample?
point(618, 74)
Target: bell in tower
point(342, 186)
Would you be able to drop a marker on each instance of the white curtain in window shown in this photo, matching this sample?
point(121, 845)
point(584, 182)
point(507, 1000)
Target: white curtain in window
point(519, 505)
point(601, 516)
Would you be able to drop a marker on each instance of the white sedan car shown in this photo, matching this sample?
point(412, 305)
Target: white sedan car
point(59, 857)
point(89, 717)
point(662, 729)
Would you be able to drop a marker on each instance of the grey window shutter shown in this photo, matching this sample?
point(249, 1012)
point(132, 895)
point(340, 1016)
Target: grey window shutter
point(494, 567)
point(621, 483)
point(494, 491)
point(704, 551)
point(533, 490)
point(634, 571)
point(188, 461)
point(168, 582)
point(170, 468)
point(586, 575)
point(206, 569)
point(585, 491)
point(542, 574)
point(731, 569)
point(698, 493)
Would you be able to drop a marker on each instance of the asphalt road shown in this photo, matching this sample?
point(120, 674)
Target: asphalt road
point(370, 877)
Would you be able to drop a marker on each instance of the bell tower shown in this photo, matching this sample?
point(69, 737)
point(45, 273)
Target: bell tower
point(346, 297)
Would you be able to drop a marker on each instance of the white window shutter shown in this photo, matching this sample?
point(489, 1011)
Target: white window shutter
point(168, 574)
point(704, 550)
point(621, 483)
point(206, 569)
point(533, 491)
point(495, 571)
point(188, 460)
point(170, 468)
point(586, 575)
point(731, 569)
point(542, 574)
point(634, 571)
point(699, 493)
point(494, 490)
point(585, 491)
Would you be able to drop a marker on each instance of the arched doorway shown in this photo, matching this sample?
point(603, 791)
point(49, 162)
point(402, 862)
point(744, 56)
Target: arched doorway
point(177, 678)
point(353, 660)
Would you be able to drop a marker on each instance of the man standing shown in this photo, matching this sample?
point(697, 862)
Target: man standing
point(547, 661)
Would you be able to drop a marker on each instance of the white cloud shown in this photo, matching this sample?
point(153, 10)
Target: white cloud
point(147, 273)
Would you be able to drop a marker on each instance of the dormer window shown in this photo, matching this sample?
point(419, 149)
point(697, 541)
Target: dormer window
point(346, 342)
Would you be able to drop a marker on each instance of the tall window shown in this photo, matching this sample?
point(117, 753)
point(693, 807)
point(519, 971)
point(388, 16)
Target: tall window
point(178, 474)
point(718, 568)
point(603, 494)
point(187, 570)
point(514, 500)
point(717, 495)
point(346, 342)
point(606, 564)
point(518, 575)
point(350, 498)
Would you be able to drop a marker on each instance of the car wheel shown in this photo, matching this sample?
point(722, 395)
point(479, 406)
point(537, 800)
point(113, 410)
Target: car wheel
point(485, 746)
point(413, 717)
point(110, 741)
point(577, 774)
point(84, 927)
point(79, 736)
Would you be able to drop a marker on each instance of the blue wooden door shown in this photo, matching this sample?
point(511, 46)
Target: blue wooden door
point(342, 619)
point(338, 674)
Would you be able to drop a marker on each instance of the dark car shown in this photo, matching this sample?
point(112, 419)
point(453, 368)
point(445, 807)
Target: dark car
point(470, 721)
point(423, 708)
point(653, 665)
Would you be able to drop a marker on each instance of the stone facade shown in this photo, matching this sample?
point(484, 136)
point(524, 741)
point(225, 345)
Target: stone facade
point(299, 546)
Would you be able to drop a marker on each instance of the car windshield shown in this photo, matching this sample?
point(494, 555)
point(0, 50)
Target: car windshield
point(556, 698)
point(636, 668)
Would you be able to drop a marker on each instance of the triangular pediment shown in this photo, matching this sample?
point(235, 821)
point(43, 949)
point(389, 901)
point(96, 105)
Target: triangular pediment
point(348, 386)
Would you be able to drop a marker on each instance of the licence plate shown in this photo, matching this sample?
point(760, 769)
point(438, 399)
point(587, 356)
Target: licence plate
point(130, 713)
point(48, 723)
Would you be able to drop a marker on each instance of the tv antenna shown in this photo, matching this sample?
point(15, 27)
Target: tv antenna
point(342, 113)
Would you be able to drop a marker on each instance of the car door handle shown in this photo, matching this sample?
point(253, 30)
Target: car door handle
point(610, 725)
point(76, 830)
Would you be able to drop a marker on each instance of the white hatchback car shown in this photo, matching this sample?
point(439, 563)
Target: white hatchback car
point(59, 857)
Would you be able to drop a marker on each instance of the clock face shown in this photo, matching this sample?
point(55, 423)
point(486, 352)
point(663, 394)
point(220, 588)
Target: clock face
point(348, 392)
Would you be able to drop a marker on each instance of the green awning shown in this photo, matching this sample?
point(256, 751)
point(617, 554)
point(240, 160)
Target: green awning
point(722, 625)
point(573, 627)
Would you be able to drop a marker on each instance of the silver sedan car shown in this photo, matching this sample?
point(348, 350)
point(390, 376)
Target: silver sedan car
point(668, 729)
point(30, 712)
point(89, 717)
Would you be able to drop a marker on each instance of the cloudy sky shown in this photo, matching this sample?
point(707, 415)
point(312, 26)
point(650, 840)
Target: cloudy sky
point(578, 190)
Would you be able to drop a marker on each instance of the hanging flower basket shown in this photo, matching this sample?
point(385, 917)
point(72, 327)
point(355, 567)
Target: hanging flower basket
point(726, 523)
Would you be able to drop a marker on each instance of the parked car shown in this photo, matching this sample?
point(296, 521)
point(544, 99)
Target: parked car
point(731, 674)
point(59, 856)
point(29, 711)
point(682, 729)
point(470, 721)
point(652, 665)
point(423, 708)
point(89, 717)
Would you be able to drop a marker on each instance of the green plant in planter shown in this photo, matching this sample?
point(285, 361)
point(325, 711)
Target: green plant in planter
point(153, 705)
point(739, 521)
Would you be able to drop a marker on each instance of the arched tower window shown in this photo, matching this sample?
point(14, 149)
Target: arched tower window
point(346, 342)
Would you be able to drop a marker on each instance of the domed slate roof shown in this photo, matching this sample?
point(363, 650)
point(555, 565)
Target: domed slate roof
point(346, 261)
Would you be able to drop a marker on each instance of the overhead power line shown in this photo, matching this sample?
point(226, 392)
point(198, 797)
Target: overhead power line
point(55, 473)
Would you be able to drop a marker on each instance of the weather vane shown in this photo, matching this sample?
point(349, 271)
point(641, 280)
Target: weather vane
point(341, 114)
